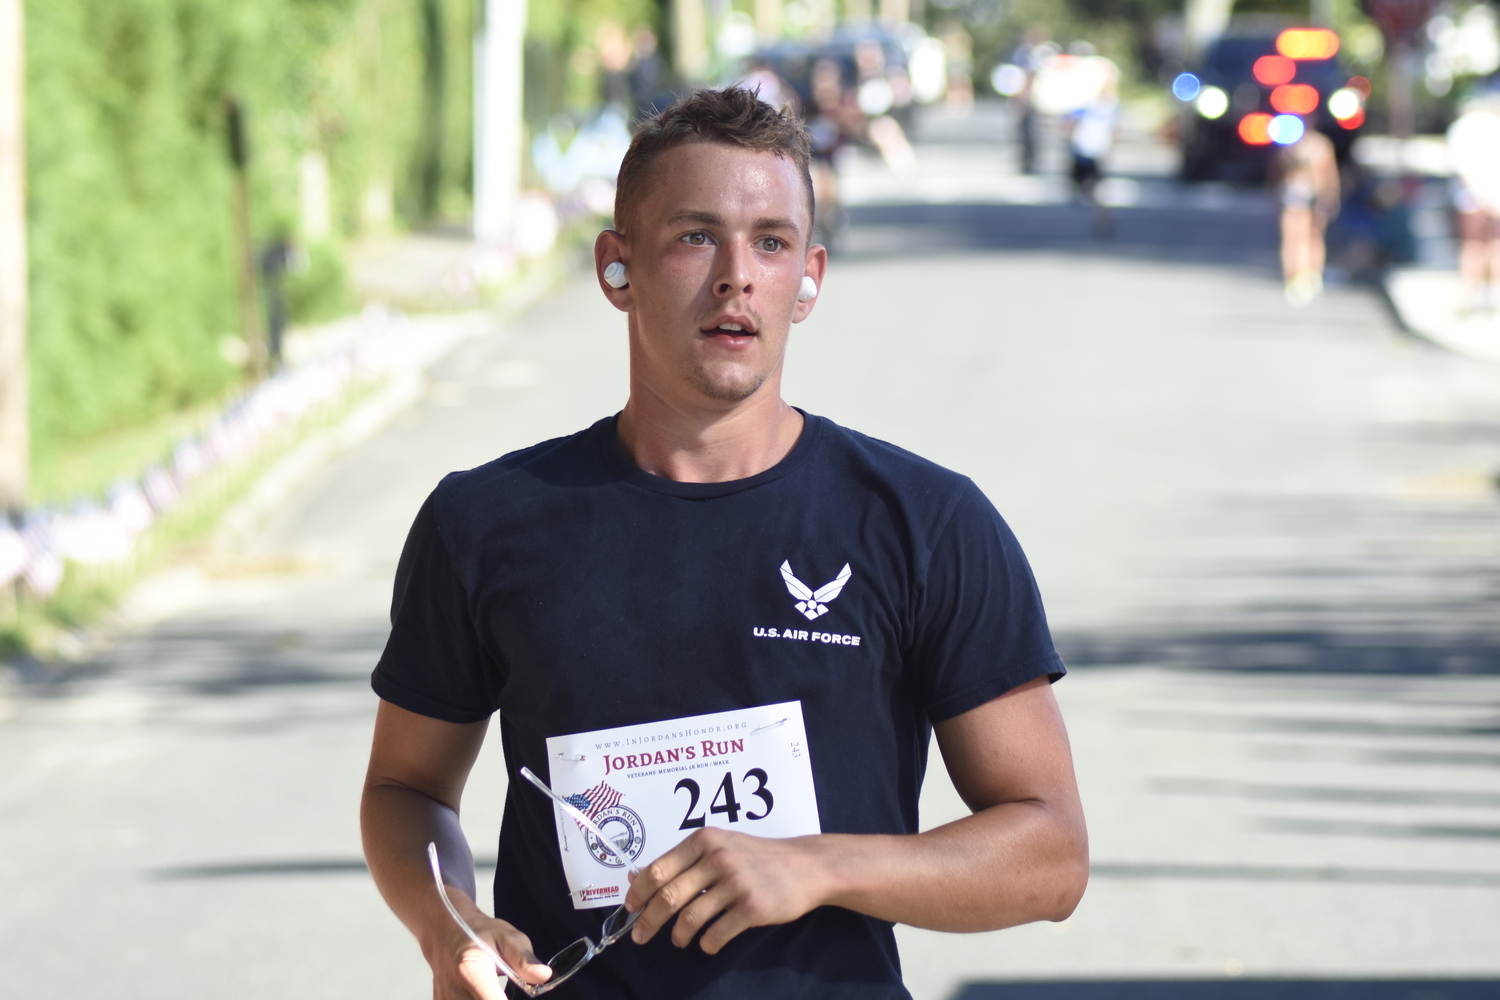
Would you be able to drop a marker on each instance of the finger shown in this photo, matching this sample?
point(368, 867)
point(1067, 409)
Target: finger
point(699, 913)
point(673, 896)
point(661, 871)
point(515, 948)
point(478, 974)
point(740, 915)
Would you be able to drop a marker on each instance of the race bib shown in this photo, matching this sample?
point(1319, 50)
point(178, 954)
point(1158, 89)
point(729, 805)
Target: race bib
point(648, 787)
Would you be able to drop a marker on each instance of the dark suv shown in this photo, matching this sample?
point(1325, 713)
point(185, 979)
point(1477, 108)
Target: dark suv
point(1229, 85)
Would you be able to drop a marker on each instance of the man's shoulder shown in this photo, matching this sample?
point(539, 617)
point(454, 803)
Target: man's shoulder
point(560, 462)
point(892, 465)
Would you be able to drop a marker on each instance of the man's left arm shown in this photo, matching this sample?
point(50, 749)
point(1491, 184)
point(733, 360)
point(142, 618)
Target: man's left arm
point(1021, 856)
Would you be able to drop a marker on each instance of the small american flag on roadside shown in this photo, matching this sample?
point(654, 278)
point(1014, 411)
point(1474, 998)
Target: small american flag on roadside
point(594, 801)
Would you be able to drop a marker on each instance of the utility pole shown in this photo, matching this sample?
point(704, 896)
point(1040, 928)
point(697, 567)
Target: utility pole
point(1401, 22)
point(499, 49)
point(768, 20)
point(690, 39)
point(1203, 21)
point(244, 241)
point(15, 436)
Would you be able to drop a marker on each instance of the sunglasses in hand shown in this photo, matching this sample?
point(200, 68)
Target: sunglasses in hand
point(566, 963)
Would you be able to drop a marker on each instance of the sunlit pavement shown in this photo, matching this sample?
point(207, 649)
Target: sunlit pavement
point(1268, 540)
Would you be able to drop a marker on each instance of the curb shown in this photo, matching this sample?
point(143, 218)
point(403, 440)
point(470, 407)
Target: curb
point(1426, 303)
point(421, 342)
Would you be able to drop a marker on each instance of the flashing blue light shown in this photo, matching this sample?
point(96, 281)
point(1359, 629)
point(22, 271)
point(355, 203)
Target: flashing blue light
point(1285, 129)
point(1186, 86)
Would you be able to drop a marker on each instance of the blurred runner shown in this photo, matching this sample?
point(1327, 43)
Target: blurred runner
point(615, 53)
point(834, 122)
point(1090, 137)
point(1309, 184)
point(1035, 48)
point(762, 80)
point(649, 83)
point(876, 98)
point(958, 46)
point(1474, 145)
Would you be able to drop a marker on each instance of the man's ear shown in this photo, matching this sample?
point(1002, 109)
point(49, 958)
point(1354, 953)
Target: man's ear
point(816, 268)
point(610, 248)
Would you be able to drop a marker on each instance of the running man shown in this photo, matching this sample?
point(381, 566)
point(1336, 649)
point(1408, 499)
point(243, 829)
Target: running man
point(704, 616)
point(1309, 180)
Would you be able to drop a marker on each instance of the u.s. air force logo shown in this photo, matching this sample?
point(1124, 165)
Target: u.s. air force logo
point(813, 603)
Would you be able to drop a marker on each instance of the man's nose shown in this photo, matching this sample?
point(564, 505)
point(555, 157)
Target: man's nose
point(733, 272)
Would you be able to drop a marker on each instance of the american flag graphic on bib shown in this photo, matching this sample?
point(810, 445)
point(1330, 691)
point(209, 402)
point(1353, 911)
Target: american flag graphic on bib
point(594, 801)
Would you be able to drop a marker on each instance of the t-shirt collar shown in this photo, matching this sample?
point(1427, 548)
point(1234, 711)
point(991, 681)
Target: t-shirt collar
point(629, 472)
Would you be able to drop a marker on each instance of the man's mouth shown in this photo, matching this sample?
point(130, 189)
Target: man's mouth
point(730, 333)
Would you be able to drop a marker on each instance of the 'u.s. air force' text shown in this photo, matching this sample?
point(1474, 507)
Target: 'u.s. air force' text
point(803, 635)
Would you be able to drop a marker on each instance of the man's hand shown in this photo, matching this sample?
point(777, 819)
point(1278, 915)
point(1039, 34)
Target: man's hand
point(462, 971)
point(745, 881)
point(1021, 856)
point(417, 771)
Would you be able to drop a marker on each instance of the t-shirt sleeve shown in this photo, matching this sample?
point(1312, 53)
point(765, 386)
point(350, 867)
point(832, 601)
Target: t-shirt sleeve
point(980, 629)
point(434, 663)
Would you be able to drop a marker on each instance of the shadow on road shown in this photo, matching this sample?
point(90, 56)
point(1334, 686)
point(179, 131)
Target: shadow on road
point(1238, 989)
point(1302, 651)
point(219, 658)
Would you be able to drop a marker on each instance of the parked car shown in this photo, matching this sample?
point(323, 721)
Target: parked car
point(1257, 88)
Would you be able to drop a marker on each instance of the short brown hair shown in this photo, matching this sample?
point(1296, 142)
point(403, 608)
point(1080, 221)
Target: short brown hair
point(733, 116)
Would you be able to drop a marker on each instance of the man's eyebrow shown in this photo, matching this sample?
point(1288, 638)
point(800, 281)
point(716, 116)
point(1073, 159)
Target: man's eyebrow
point(691, 215)
point(777, 222)
point(705, 218)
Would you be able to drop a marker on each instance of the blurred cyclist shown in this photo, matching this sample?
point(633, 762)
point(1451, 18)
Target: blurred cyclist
point(1309, 184)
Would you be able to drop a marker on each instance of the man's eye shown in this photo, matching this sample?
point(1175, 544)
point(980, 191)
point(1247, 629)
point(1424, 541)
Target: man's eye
point(696, 239)
point(771, 244)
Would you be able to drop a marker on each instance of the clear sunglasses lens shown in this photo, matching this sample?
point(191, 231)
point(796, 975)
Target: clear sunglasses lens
point(570, 959)
point(618, 924)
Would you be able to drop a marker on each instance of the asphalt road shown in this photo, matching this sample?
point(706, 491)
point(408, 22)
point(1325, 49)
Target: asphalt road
point(1268, 540)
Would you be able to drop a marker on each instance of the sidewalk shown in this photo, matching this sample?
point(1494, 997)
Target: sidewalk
point(1427, 303)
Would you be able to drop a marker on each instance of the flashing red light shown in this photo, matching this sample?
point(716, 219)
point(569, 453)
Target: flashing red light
point(1307, 43)
point(1295, 99)
point(1354, 121)
point(1255, 129)
point(1271, 70)
point(1360, 85)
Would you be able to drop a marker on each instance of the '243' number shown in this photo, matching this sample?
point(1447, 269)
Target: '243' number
point(724, 800)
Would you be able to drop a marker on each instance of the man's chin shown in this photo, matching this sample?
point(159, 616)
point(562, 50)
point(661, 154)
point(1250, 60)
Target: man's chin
point(733, 386)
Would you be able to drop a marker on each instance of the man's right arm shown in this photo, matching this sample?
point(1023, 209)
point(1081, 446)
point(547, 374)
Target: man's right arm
point(418, 767)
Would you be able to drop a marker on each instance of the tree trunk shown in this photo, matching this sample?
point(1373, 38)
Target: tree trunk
point(15, 437)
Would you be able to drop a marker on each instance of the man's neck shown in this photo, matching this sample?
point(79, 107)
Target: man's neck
point(699, 445)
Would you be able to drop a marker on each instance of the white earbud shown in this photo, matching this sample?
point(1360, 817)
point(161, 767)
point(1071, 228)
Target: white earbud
point(614, 275)
point(809, 289)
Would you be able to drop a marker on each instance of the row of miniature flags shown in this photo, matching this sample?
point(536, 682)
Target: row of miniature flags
point(93, 532)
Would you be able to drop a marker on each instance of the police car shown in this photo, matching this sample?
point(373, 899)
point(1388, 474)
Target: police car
point(1255, 90)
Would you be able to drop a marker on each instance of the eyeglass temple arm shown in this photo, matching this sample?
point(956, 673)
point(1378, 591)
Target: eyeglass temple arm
point(480, 943)
point(583, 820)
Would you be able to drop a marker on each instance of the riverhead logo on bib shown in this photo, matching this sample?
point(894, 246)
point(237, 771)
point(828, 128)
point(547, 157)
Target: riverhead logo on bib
point(812, 605)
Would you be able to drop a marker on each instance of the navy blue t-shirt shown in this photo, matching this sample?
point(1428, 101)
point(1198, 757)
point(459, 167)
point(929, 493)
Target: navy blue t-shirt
point(571, 591)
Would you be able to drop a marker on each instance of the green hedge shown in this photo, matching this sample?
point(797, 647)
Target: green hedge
point(132, 273)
